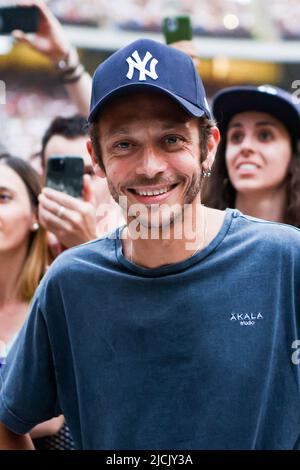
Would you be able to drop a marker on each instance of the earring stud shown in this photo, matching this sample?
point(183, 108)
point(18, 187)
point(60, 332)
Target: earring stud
point(206, 173)
point(35, 226)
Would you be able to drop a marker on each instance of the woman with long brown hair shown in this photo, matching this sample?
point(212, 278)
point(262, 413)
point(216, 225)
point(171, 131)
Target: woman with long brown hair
point(257, 166)
point(23, 244)
point(23, 261)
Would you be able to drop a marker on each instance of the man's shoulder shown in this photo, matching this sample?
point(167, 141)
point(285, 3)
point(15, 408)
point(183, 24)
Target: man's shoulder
point(95, 252)
point(76, 267)
point(273, 233)
point(269, 226)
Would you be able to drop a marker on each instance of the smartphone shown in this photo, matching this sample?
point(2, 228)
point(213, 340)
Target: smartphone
point(66, 174)
point(177, 28)
point(17, 17)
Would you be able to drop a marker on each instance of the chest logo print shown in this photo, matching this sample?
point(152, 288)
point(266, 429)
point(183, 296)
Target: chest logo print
point(246, 319)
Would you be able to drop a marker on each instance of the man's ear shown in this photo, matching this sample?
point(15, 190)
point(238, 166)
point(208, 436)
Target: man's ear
point(97, 169)
point(212, 146)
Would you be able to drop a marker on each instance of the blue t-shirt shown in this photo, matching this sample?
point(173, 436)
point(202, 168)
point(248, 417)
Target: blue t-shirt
point(202, 354)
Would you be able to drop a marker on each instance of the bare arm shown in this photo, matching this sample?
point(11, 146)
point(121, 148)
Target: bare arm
point(11, 441)
point(80, 92)
point(52, 41)
point(48, 428)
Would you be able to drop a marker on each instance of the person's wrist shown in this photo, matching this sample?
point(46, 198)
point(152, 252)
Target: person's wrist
point(67, 60)
point(73, 75)
point(69, 67)
point(59, 52)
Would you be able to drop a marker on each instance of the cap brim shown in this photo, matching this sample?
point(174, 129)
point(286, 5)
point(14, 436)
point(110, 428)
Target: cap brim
point(229, 102)
point(190, 108)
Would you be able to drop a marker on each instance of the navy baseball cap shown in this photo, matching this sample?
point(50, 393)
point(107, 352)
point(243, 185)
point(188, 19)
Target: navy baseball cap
point(265, 98)
point(147, 64)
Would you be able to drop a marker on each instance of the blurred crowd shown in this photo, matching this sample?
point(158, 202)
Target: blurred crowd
point(22, 128)
point(234, 18)
point(286, 16)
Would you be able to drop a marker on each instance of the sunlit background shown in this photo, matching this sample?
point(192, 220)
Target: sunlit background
point(238, 42)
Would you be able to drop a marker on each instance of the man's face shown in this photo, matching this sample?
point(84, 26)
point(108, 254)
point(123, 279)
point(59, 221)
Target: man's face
point(61, 146)
point(151, 153)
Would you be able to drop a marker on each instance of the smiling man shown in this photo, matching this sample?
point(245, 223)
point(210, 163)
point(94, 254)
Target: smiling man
point(148, 341)
point(150, 153)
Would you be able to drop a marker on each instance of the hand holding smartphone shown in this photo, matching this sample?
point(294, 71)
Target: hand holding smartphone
point(66, 174)
point(18, 17)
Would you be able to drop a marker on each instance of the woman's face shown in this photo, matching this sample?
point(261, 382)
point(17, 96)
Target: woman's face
point(258, 152)
point(16, 214)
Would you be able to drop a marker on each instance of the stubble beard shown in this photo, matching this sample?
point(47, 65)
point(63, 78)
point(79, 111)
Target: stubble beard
point(161, 222)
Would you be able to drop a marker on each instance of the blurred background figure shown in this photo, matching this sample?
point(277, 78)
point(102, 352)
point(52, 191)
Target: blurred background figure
point(44, 78)
point(47, 73)
point(257, 167)
point(23, 259)
point(23, 246)
point(51, 40)
point(82, 219)
point(68, 136)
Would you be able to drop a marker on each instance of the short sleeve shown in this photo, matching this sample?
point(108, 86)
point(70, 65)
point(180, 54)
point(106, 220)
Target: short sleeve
point(28, 387)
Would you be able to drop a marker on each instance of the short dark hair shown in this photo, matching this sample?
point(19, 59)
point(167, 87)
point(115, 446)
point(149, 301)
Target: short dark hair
point(68, 127)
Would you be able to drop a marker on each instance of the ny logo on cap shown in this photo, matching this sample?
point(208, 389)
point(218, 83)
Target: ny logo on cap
point(141, 65)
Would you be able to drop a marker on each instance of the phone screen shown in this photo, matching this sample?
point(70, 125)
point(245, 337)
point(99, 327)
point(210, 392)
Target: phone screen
point(66, 174)
point(18, 17)
point(177, 28)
